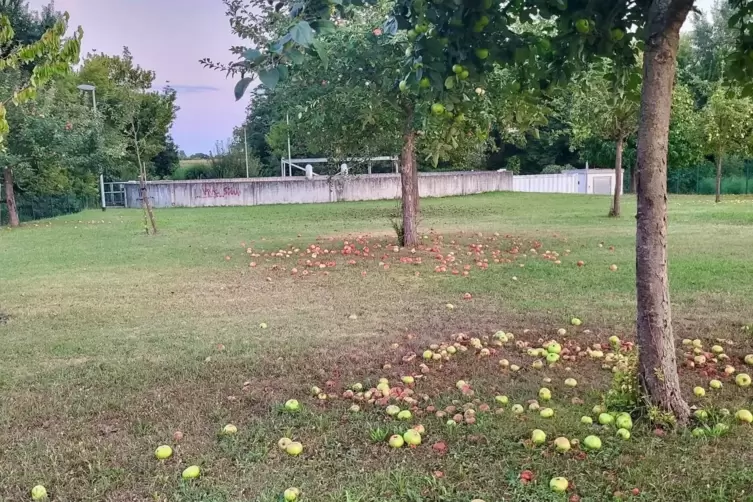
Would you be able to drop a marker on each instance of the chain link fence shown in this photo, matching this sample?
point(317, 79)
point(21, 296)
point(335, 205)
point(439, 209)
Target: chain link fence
point(701, 180)
point(37, 207)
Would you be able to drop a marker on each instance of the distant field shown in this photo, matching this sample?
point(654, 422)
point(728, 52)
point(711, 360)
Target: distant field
point(194, 162)
point(115, 340)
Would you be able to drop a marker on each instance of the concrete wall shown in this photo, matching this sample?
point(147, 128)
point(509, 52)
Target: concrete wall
point(299, 190)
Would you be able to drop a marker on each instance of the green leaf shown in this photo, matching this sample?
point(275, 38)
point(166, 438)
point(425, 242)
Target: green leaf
point(302, 33)
point(269, 78)
point(734, 19)
point(252, 55)
point(295, 56)
point(241, 86)
point(324, 26)
point(322, 52)
point(390, 26)
point(283, 71)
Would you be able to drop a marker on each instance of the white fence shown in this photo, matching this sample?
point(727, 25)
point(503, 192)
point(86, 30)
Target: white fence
point(548, 183)
point(586, 181)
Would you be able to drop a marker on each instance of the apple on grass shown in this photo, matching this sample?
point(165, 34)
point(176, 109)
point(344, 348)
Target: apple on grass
point(283, 443)
point(396, 441)
point(562, 444)
point(592, 442)
point(291, 494)
point(294, 449)
point(538, 437)
point(558, 484)
point(503, 400)
point(517, 409)
point(545, 394)
point(624, 421)
point(585, 419)
point(39, 492)
point(404, 415)
point(742, 380)
point(163, 452)
point(744, 416)
point(749, 359)
point(623, 433)
point(546, 413)
point(191, 472)
point(571, 382)
point(699, 391)
point(229, 430)
point(392, 410)
point(606, 419)
point(715, 384)
point(412, 437)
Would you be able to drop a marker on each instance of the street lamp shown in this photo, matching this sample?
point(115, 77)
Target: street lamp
point(93, 89)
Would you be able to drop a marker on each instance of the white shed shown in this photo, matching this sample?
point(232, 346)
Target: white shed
point(595, 181)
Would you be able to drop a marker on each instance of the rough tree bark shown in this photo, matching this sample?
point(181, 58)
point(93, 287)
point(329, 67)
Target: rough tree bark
point(719, 157)
point(10, 197)
point(615, 211)
point(409, 184)
point(657, 359)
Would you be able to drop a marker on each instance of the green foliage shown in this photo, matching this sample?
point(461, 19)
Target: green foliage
point(625, 391)
point(726, 123)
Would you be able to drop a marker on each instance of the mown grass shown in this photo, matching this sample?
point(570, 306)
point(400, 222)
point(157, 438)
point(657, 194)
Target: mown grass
point(114, 342)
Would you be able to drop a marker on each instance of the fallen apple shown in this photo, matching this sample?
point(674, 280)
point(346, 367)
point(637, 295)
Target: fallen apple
point(408, 380)
point(412, 437)
point(571, 382)
point(546, 413)
point(606, 419)
point(749, 359)
point(396, 441)
point(575, 321)
point(624, 421)
point(698, 432)
point(39, 492)
point(554, 348)
point(291, 494)
point(229, 430)
point(592, 442)
point(294, 448)
point(517, 409)
point(538, 437)
point(744, 416)
point(428, 354)
point(717, 349)
point(163, 452)
point(503, 400)
point(585, 419)
point(552, 358)
point(283, 443)
point(562, 444)
point(354, 408)
point(392, 410)
point(404, 415)
point(701, 415)
point(537, 364)
point(191, 472)
point(715, 384)
point(558, 485)
point(623, 433)
point(562, 332)
point(614, 340)
point(545, 394)
point(742, 379)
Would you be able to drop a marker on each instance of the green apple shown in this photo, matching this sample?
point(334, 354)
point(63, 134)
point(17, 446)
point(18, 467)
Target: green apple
point(292, 405)
point(424, 83)
point(517, 409)
point(392, 410)
point(408, 380)
point(592, 442)
point(624, 421)
point(701, 415)
point(191, 472)
point(558, 485)
point(545, 394)
point(451, 423)
point(552, 358)
point(404, 415)
point(562, 444)
point(39, 492)
point(396, 441)
point(554, 348)
point(546, 413)
point(715, 384)
point(571, 382)
point(283, 443)
point(403, 86)
point(699, 432)
point(263, 325)
point(742, 379)
point(383, 388)
point(617, 34)
point(451, 349)
point(749, 359)
point(163, 452)
point(503, 400)
point(291, 494)
point(482, 53)
point(354, 408)
point(412, 437)
point(720, 428)
point(585, 419)
point(537, 364)
point(717, 349)
point(457, 69)
point(428, 354)
point(294, 448)
point(744, 416)
point(575, 321)
point(606, 419)
point(514, 367)
point(614, 340)
point(699, 391)
point(597, 409)
point(315, 391)
point(534, 406)
point(538, 437)
point(697, 343)
point(623, 433)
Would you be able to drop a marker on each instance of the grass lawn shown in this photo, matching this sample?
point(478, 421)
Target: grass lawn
point(113, 340)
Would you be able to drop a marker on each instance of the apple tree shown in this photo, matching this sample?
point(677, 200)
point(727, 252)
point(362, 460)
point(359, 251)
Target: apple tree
point(603, 104)
point(25, 69)
point(726, 127)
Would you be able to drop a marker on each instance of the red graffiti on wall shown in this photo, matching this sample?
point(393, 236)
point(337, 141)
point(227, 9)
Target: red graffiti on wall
point(213, 191)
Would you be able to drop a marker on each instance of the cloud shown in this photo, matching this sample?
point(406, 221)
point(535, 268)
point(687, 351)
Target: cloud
point(194, 89)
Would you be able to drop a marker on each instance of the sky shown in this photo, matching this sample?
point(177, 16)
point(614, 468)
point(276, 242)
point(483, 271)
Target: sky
point(169, 37)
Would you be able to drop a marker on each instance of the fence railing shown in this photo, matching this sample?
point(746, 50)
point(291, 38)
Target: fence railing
point(38, 207)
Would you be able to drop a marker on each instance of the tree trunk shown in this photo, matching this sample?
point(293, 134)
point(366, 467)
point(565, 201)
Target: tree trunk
point(719, 157)
point(146, 204)
point(409, 183)
point(10, 197)
point(615, 211)
point(657, 356)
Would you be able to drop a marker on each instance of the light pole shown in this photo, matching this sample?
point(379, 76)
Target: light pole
point(245, 148)
point(93, 89)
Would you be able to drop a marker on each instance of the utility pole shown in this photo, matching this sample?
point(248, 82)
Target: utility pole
point(245, 148)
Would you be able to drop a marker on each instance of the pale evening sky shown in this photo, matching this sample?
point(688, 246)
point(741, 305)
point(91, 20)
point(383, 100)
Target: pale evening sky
point(169, 37)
